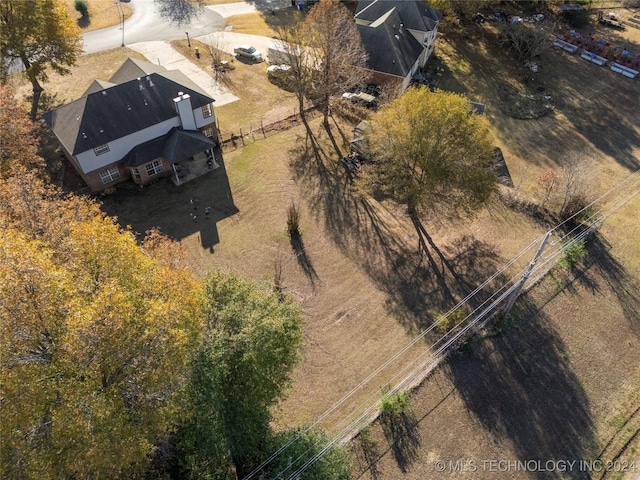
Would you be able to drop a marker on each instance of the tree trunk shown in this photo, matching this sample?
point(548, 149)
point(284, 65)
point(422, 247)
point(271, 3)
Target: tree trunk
point(303, 117)
point(37, 92)
point(37, 88)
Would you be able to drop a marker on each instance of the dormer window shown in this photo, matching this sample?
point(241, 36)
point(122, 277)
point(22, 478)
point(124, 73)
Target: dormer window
point(207, 110)
point(101, 149)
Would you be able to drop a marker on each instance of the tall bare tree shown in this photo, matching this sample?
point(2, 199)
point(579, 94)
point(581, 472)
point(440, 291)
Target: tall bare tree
point(339, 55)
point(528, 42)
point(301, 61)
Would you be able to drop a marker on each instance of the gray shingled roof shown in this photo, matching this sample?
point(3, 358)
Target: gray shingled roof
point(132, 69)
point(145, 152)
point(181, 144)
point(177, 145)
point(98, 85)
point(391, 48)
point(104, 116)
point(415, 15)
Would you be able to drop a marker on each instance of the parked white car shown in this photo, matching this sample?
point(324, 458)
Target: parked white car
point(248, 51)
point(276, 69)
point(360, 97)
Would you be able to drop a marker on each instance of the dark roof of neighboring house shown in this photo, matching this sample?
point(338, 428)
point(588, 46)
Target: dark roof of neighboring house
point(177, 145)
point(391, 48)
point(120, 110)
point(415, 15)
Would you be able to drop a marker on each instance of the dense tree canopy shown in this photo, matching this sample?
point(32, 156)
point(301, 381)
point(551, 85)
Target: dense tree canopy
point(304, 454)
point(241, 370)
point(96, 338)
point(429, 150)
point(18, 142)
point(41, 35)
point(111, 353)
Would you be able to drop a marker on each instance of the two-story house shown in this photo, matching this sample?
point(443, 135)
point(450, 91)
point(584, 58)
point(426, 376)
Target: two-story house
point(143, 123)
point(398, 35)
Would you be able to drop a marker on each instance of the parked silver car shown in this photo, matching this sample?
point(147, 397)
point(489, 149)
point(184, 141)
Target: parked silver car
point(248, 51)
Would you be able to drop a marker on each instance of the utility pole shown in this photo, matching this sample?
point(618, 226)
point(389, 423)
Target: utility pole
point(118, 3)
point(516, 292)
point(188, 41)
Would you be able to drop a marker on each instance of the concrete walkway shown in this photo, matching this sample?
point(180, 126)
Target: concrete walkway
point(163, 54)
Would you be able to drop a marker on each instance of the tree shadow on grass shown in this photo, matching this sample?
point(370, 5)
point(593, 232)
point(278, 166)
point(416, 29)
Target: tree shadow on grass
point(178, 211)
point(522, 389)
point(401, 432)
point(600, 264)
point(577, 86)
point(303, 258)
point(379, 239)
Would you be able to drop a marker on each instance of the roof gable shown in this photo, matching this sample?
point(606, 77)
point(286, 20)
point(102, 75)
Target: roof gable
point(103, 116)
point(177, 145)
point(132, 69)
point(391, 48)
point(415, 15)
point(98, 85)
point(181, 144)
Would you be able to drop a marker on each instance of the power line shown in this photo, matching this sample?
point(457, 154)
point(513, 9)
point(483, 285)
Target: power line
point(439, 353)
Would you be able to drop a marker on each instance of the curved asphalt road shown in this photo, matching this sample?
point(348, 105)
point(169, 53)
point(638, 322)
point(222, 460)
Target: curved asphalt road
point(146, 24)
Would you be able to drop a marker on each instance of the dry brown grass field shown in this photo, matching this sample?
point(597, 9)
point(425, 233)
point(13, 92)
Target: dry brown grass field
point(562, 382)
point(559, 383)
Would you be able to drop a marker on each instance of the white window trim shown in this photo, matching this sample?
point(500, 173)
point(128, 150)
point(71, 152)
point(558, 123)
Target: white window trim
point(154, 168)
point(110, 175)
point(207, 110)
point(100, 149)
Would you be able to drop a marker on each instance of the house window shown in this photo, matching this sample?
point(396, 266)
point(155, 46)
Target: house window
point(110, 175)
point(207, 110)
point(135, 174)
point(101, 149)
point(209, 132)
point(154, 168)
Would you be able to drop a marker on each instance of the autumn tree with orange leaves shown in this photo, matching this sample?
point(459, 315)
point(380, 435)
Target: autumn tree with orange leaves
point(96, 338)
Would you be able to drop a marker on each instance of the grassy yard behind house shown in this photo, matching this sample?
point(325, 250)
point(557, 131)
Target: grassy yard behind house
point(548, 383)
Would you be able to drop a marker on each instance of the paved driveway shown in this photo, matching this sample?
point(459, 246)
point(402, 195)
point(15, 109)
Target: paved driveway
point(160, 51)
point(163, 54)
point(225, 41)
